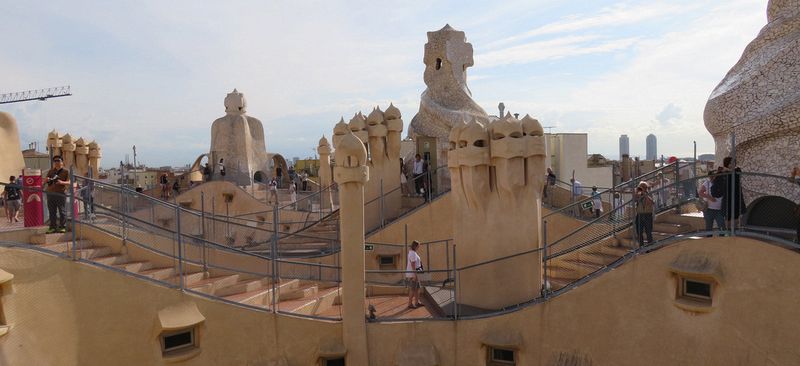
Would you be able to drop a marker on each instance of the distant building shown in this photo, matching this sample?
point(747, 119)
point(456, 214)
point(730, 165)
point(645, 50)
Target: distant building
point(624, 146)
point(652, 149)
point(567, 154)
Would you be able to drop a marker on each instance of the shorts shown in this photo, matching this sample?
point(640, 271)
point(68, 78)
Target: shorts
point(13, 205)
point(412, 283)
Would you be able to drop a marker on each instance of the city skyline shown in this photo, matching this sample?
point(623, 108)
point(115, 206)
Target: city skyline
point(153, 76)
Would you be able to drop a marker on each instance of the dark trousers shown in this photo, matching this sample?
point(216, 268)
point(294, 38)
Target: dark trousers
point(418, 183)
point(644, 226)
point(57, 204)
point(711, 215)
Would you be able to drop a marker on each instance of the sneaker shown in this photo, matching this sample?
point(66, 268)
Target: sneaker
point(62, 230)
point(50, 230)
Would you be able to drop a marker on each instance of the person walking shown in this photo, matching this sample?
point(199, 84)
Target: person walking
point(273, 191)
point(644, 213)
point(13, 199)
point(413, 265)
point(57, 183)
point(713, 211)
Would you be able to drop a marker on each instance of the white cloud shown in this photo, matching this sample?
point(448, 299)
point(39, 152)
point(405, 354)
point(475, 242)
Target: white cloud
point(553, 49)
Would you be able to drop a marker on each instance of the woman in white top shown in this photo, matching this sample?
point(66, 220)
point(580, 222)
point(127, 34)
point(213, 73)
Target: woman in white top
point(713, 211)
point(413, 264)
point(273, 191)
point(293, 194)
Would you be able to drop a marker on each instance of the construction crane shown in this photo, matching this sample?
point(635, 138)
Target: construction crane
point(40, 94)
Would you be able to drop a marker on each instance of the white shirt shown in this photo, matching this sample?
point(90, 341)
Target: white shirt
point(414, 262)
point(717, 205)
point(577, 188)
point(418, 166)
point(273, 186)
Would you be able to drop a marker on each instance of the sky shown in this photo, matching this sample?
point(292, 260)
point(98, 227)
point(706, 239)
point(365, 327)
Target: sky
point(154, 73)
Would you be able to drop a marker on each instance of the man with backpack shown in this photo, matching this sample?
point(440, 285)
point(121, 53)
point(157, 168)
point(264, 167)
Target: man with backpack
point(13, 199)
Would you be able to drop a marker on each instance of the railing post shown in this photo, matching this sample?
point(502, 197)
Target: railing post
point(180, 246)
point(122, 214)
point(381, 197)
point(545, 288)
point(213, 218)
point(319, 197)
point(455, 284)
point(274, 257)
point(72, 210)
point(732, 185)
point(447, 254)
point(203, 229)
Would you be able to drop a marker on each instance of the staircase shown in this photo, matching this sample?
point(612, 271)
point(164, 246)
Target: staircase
point(293, 295)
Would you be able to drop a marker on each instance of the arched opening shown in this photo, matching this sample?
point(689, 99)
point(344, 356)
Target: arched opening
point(438, 63)
point(259, 177)
point(773, 215)
point(279, 166)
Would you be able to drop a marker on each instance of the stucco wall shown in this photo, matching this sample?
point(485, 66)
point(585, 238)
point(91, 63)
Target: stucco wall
point(64, 313)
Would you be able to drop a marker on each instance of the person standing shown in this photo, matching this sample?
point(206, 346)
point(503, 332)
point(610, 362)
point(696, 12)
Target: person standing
point(13, 199)
point(597, 202)
point(293, 194)
point(164, 181)
point(413, 265)
point(221, 169)
point(273, 191)
point(279, 174)
point(418, 170)
point(551, 181)
point(732, 195)
point(176, 187)
point(577, 188)
point(57, 183)
point(305, 180)
point(403, 179)
point(644, 213)
point(713, 212)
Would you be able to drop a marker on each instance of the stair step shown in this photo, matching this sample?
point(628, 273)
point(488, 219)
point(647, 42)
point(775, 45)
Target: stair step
point(50, 238)
point(211, 285)
point(309, 291)
point(135, 266)
point(61, 247)
point(94, 252)
point(244, 286)
point(671, 228)
point(112, 259)
point(161, 273)
point(188, 278)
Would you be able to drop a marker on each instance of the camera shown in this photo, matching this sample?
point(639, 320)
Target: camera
point(52, 180)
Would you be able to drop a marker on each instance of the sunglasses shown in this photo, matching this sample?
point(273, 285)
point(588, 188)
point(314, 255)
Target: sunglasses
point(57, 161)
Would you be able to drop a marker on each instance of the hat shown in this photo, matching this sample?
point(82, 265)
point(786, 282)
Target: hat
point(644, 184)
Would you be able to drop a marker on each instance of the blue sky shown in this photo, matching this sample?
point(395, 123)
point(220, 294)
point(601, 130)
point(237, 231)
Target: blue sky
point(154, 74)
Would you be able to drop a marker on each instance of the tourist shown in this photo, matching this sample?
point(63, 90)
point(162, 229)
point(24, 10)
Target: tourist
point(550, 181)
point(597, 202)
point(403, 179)
point(221, 169)
point(418, 171)
point(305, 180)
point(87, 196)
point(577, 188)
point(662, 186)
point(713, 211)
point(644, 213)
point(279, 174)
point(164, 186)
point(273, 191)
point(732, 193)
point(13, 199)
point(291, 173)
point(619, 210)
point(206, 173)
point(57, 183)
point(414, 264)
point(688, 185)
point(293, 194)
point(176, 187)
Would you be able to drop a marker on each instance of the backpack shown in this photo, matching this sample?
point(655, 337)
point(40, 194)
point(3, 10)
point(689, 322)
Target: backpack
point(718, 186)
